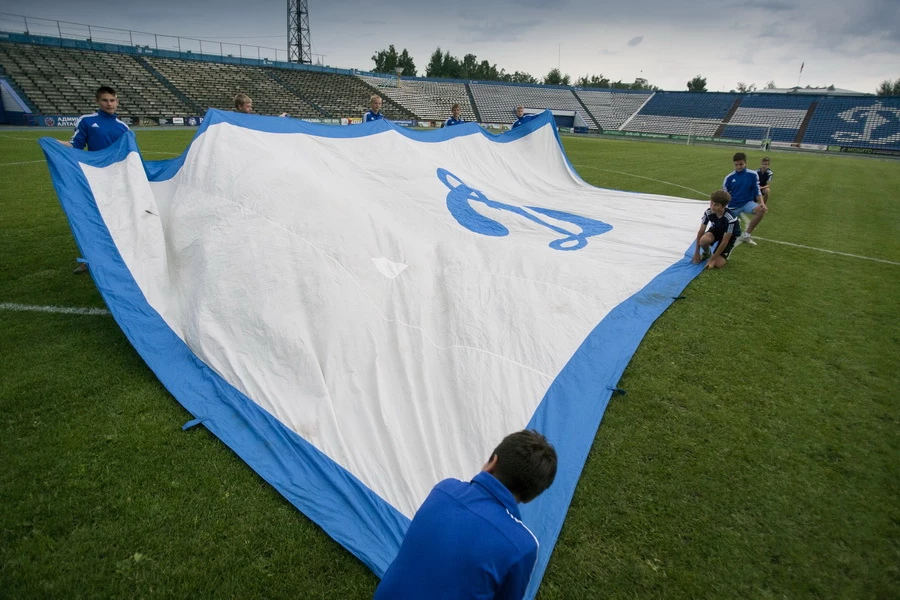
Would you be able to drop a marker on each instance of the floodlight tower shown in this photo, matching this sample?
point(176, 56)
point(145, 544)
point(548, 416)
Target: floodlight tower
point(299, 48)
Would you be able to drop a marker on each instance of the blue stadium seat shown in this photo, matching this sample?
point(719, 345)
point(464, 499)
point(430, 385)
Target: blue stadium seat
point(862, 122)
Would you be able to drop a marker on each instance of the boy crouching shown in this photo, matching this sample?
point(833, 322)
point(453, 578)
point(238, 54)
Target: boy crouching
point(724, 229)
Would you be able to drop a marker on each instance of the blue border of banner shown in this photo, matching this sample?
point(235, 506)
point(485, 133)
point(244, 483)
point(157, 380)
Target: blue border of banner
point(347, 510)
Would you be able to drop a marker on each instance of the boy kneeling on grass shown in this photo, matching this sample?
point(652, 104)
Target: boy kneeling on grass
point(724, 229)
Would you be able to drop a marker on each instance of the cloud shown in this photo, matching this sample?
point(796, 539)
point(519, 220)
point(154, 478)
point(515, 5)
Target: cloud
point(775, 30)
point(635, 41)
point(607, 52)
point(541, 4)
point(768, 5)
point(499, 31)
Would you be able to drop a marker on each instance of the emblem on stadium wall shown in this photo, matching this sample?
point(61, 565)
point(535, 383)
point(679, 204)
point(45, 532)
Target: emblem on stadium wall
point(872, 117)
point(459, 203)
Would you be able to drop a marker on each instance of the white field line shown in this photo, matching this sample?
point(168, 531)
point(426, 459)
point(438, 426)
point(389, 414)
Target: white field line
point(60, 310)
point(702, 194)
point(12, 137)
point(756, 237)
point(34, 162)
point(27, 162)
point(881, 260)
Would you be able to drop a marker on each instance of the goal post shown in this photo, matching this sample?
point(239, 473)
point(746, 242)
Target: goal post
point(721, 132)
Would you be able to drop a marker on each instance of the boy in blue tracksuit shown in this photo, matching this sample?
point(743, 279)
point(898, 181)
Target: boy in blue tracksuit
point(455, 116)
point(521, 117)
point(743, 185)
point(98, 130)
point(717, 226)
point(101, 128)
point(374, 113)
point(467, 540)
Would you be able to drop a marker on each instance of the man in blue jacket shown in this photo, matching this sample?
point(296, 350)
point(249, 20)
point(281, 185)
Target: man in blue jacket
point(743, 185)
point(467, 540)
point(98, 130)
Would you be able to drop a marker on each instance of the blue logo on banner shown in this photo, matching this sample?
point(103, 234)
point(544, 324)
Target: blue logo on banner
point(459, 203)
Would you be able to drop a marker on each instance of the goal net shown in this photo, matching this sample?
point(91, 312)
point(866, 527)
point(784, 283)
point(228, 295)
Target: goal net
point(720, 132)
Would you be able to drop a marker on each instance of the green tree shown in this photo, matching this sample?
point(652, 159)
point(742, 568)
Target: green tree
point(444, 64)
point(592, 81)
point(639, 84)
point(486, 71)
point(518, 77)
point(452, 66)
point(743, 88)
point(406, 61)
point(435, 66)
point(697, 84)
point(771, 85)
point(889, 88)
point(468, 66)
point(554, 77)
point(387, 60)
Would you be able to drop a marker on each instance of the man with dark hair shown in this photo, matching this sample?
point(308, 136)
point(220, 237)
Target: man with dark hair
point(724, 229)
point(101, 128)
point(743, 185)
point(98, 131)
point(467, 540)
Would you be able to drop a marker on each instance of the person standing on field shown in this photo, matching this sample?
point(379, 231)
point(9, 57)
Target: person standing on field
point(98, 130)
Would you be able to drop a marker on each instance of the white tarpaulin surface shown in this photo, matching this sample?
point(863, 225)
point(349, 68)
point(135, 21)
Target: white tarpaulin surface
point(396, 301)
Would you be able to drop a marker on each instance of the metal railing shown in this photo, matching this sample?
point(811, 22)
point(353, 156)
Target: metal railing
point(139, 39)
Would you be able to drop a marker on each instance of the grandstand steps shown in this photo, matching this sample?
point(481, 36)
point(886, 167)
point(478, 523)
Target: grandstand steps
point(721, 129)
point(388, 101)
point(635, 113)
point(805, 124)
point(472, 102)
point(296, 91)
point(169, 85)
point(12, 83)
point(587, 111)
point(57, 80)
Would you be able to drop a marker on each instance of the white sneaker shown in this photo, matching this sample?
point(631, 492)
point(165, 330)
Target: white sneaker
point(746, 238)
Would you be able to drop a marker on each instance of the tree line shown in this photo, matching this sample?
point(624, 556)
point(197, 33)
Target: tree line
point(889, 88)
point(444, 65)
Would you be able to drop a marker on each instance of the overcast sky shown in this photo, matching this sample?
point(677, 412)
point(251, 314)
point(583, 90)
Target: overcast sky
point(853, 45)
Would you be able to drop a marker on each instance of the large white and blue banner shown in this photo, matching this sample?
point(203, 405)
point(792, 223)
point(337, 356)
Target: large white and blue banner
point(360, 312)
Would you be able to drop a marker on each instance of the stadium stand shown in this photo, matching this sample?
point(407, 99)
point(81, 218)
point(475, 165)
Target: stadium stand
point(783, 113)
point(611, 109)
point(497, 102)
point(673, 112)
point(56, 80)
point(430, 100)
point(862, 122)
point(213, 85)
point(341, 96)
point(63, 81)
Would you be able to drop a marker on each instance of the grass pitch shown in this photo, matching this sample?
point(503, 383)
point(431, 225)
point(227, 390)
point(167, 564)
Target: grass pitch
point(755, 454)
